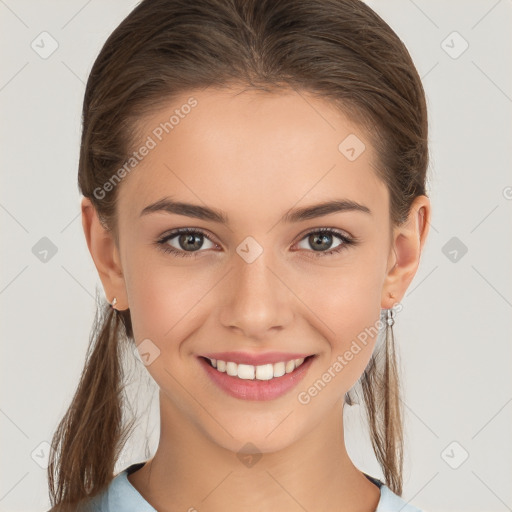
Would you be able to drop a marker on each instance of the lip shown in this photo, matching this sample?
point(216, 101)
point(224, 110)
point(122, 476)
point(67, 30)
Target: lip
point(257, 389)
point(255, 359)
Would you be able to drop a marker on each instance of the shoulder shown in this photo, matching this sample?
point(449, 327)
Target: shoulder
point(391, 502)
point(120, 495)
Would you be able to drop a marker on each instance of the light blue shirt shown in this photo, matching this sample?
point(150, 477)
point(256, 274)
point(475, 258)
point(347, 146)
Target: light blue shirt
point(121, 496)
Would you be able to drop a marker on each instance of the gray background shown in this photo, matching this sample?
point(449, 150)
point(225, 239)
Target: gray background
point(454, 330)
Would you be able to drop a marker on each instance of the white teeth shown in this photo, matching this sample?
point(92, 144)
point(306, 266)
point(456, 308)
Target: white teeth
point(231, 369)
point(290, 366)
point(245, 371)
point(261, 372)
point(265, 372)
point(279, 369)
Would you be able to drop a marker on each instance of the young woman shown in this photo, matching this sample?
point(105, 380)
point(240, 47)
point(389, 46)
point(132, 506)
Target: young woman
point(253, 174)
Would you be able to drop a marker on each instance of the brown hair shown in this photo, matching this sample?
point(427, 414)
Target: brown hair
point(339, 50)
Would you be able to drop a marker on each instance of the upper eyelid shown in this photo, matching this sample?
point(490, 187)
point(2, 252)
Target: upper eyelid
point(171, 234)
point(336, 231)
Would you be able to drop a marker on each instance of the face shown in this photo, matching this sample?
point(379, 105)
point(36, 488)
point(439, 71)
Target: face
point(259, 281)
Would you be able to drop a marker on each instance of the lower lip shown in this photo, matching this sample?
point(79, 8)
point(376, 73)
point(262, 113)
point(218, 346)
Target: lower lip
point(247, 389)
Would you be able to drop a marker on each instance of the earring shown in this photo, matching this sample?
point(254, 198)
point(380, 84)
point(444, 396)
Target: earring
point(390, 320)
point(114, 302)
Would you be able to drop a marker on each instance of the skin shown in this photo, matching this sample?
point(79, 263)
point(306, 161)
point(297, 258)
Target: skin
point(255, 156)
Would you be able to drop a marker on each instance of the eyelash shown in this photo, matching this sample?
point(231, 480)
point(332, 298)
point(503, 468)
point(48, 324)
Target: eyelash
point(163, 246)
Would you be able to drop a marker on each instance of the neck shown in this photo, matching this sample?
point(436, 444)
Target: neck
point(189, 471)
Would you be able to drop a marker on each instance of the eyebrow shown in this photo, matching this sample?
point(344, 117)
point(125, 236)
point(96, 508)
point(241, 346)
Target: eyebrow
point(295, 215)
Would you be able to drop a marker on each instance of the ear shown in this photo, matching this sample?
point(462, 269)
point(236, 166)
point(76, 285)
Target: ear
point(105, 254)
point(404, 257)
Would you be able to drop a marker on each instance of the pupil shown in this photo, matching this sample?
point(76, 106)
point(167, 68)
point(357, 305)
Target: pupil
point(318, 239)
point(192, 241)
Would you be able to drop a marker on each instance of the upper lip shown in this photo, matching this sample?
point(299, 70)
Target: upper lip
point(255, 359)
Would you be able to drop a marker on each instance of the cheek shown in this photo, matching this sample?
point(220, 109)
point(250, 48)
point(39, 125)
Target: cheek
point(344, 306)
point(163, 299)
point(345, 296)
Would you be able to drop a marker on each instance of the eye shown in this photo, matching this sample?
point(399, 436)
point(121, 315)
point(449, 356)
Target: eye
point(188, 240)
point(322, 238)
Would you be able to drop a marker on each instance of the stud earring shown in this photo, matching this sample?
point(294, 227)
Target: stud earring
point(114, 302)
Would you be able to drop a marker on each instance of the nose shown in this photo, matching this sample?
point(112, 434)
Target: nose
point(257, 298)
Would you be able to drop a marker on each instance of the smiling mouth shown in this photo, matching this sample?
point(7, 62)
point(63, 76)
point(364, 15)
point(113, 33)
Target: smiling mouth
point(259, 372)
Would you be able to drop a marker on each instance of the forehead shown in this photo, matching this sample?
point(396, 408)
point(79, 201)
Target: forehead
point(242, 150)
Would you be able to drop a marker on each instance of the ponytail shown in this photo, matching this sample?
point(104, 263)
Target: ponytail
point(381, 396)
point(89, 438)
